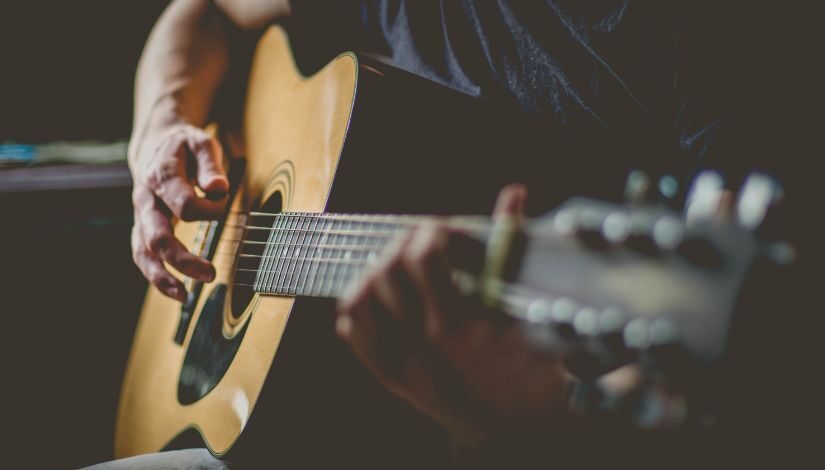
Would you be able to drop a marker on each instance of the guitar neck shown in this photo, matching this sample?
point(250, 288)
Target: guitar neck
point(319, 255)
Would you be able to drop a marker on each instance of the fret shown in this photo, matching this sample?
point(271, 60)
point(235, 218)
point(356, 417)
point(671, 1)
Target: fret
point(322, 267)
point(360, 255)
point(285, 276)
point(276, 267)
point(299, 255)
point(335, 253)
point(289, 256)
point(264, 268)
point(344, 268)
point(343, 280)
point(308, 249)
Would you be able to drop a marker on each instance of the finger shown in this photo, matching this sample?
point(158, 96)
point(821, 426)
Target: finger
point(428, 268)
point(168, 180)
point(361, 316)
point(511, 201)
point(353, 325)
point(179, 196)
point(160, 239)
point(152, 268)
point(394, 287)
point(211, 176)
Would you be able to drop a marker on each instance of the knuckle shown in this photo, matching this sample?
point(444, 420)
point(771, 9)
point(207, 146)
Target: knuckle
point(159, 241)
point(161, 172)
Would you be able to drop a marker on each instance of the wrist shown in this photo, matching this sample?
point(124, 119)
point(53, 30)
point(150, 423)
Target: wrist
point(163, 115)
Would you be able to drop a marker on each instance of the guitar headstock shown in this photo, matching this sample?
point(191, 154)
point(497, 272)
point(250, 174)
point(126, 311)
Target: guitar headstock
point(623, 281)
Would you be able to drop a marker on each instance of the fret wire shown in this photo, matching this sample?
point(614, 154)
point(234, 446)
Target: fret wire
point(274, 252)
point(312, 242)
point(347, 267)
point(299, 265)
point(260, 277)
point(332, 268)
point(329, 267)
point(289, 257)
point(330, 223)
point(291, 223)
point(325, 240)
point(285, 275)
point(280, 254)
point(263, 265)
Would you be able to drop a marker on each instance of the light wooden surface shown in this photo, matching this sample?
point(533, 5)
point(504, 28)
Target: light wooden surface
point(295, 130)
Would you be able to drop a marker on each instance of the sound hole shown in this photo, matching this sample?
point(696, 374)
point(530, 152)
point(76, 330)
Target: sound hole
point(249, 254)
point(210, 353)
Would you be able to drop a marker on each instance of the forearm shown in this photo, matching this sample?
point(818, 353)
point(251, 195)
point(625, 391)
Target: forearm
point(183, 63)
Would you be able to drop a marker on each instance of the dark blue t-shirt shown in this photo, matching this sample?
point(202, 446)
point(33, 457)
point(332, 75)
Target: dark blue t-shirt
point(670, 76)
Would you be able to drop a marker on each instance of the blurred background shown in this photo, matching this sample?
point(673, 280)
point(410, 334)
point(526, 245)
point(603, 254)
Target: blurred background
point(70, 294)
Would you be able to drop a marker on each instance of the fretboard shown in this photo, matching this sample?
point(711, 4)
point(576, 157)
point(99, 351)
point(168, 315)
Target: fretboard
point(319, 255)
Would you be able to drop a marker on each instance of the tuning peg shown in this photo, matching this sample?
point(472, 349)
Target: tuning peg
point(704, 197)
point(636, 187)
point(668, 187)
point(781, 253)
point(759, 193)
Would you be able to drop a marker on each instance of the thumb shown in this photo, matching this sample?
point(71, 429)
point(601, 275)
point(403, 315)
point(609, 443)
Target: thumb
point(511, 201)
point(211, 176)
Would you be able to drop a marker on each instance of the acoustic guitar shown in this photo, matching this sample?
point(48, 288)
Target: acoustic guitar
point(308, 213)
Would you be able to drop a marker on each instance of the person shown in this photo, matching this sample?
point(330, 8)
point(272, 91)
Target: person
point(652, 73)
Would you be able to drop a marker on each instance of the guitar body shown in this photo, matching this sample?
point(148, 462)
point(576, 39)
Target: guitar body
point(294, 136)
point(356, 136)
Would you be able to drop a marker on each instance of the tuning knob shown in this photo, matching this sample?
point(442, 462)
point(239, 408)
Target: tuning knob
point(668, 187)
point(759, 193)
point(704, 197)
point(636, 187)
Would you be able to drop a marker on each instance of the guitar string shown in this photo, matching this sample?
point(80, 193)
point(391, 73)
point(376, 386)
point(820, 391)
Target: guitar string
point(465, 222)
point(311, 246)
point(306, 230)
point(372, 218)
point(514, 300)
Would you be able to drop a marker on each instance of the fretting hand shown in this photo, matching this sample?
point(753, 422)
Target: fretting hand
point(467, 367)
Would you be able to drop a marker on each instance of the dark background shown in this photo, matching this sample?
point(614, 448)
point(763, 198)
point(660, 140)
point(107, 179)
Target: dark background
point(70, 294)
